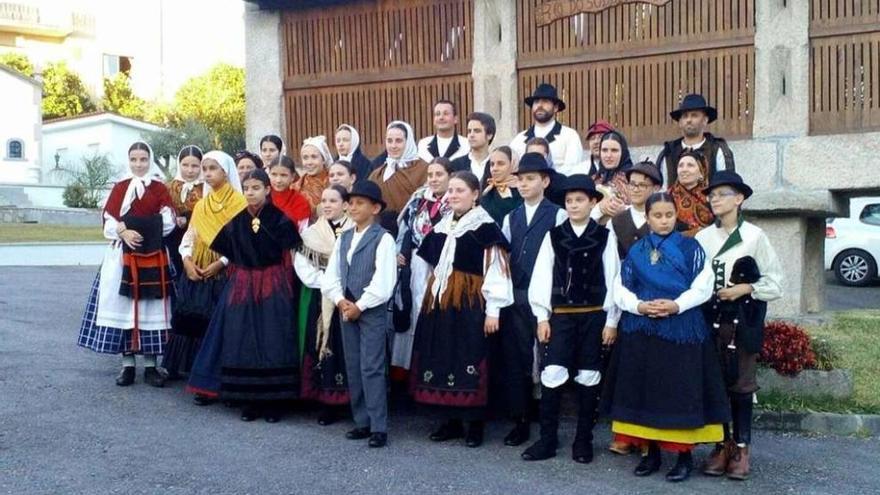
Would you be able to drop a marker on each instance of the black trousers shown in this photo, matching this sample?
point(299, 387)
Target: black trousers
point(575, 341)
point(516, 359)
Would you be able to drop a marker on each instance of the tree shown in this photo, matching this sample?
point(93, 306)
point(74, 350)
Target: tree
point(119, 97)
point(166, 143)
point(64, 94)
point(216, 99)
point(19, 62)
point(87, 182)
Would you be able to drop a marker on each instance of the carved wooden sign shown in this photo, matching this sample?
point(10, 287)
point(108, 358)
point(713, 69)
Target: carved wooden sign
point(558, 9)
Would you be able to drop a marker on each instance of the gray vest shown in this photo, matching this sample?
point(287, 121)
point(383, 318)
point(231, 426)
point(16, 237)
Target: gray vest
point(356, 276)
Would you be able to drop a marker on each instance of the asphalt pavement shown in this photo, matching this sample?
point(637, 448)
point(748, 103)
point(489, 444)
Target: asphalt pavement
point(66, 428)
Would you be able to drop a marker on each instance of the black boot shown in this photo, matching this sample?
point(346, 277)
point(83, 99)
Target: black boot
point(741, 407)
point(650, 462)
point(474, 437)
point(448, 431)
point(546, 446)
point(682, 469)
point(153, 377)
point(588, 402)
point(126, 376)
point(519, 434)
point(359, 433)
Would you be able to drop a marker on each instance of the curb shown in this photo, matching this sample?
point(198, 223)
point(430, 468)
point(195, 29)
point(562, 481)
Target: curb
point(818, 422)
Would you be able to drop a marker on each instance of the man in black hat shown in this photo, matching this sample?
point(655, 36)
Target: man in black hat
point(444, 142)
point(524, 227)
point(747, 276)
point(570, 296)
point(360, 279)
point(565, 143)
point(693, 116)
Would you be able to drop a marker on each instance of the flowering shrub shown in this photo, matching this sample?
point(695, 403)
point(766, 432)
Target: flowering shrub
point(787, 348)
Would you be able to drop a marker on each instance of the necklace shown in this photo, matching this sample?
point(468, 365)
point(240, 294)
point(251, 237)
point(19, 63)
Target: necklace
point(255, 221)
point(655, 255)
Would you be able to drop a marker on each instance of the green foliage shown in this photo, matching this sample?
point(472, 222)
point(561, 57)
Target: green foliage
point(19, 62)
point(64, 94)
point(166, 143)
point(119, 97)
point(827, 356)
point(216, 99)
point(88, 181)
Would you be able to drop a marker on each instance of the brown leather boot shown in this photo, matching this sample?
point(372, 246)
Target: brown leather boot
point(716, 464)
point(738, 467)
point(621, 448)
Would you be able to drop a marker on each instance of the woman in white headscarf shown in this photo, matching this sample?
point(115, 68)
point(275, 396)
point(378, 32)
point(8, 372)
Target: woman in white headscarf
point(402, 173)
point(316, 159)
point(198, 289)
point(348, 146)
point(129, 304)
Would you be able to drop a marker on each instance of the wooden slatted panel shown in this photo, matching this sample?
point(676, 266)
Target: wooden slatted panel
point(370, 107)
point(633, 26)
point(636, 95)
point(844, 66)
point(379, 38)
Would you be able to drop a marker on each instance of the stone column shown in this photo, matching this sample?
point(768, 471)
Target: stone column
point(782, 68)
point(494, 68)
point(264, 82)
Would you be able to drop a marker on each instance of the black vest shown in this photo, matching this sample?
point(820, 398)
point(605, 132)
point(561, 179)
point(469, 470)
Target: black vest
point(673, 149)
point(578, 274)
point(525, 240)
point(626, 232)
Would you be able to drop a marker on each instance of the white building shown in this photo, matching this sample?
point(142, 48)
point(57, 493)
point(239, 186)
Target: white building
point(20, 99)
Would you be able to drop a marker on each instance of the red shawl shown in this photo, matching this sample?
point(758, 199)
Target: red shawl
point(155, 197)
point(294, 205)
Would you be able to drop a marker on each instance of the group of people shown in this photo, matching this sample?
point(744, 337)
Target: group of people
point(487, 280)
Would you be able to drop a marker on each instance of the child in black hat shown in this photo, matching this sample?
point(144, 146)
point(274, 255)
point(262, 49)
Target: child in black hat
point(360, 279)
point(525, 228)
point(570, 296)
point(747, 276)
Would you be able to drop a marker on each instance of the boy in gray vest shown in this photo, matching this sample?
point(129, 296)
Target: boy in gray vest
point(360, 279)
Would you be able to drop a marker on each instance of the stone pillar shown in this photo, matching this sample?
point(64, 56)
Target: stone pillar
point(782, 68)
point(264, 82)
point(494, 67)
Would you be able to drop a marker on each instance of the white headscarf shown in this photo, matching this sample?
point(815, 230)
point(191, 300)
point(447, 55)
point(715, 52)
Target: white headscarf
point(471, 220)
point(410, 152)
point(187, 185)
point(320, 142)
point(138, 185)
point(228, 165)
point(355, 141)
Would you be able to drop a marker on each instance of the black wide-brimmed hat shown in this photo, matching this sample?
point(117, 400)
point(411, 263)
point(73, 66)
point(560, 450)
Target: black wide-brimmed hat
point(648, 169)
point(533, 162)
point(547, 92)
point(581, 182)
point(728, 178)
point(368, 189)
point(694, 102)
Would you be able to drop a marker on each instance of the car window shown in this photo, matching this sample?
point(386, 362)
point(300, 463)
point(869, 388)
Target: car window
point(871, 214)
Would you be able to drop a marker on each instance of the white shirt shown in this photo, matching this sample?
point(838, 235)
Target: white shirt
point(497, 288)
point(187, 242)
point(699, 292)
point(478, 168)
point(720, 162)
point(442, 146)
point(381, 287)
point(561, 216)
point(755, 244)
point(566, 150)
point(541, 284)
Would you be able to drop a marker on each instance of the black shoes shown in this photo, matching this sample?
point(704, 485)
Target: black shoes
point(650, 462)
point(519, 434)
point(582, 452)
point(271, 415)
point(378, 440)
point(358, 433)
point(541, 450)
point(449, 430)
point(249, 413)
point(474, 437)
point(682, 469)
point(327, 416)
point(126, 376)
point(203, 400)
point(153, 377)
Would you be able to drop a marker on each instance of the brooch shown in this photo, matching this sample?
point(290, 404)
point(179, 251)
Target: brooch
point(255, 225)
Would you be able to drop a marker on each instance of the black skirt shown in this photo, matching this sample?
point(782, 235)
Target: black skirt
point(323, 379)
point(193, 306)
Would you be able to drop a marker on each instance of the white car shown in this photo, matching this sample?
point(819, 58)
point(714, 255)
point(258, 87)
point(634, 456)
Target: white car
point(852, 244)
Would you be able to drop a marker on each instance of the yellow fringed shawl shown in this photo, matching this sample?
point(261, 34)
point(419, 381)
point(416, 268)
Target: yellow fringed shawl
point(209, 216)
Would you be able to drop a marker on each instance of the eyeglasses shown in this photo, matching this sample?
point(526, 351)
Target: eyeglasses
point(720, 195)
point(640, 186)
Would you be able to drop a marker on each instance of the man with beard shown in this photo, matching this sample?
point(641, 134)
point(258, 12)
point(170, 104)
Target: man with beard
point(444, 142)
point(565, 143)
point(480, 133)
point(693, 116)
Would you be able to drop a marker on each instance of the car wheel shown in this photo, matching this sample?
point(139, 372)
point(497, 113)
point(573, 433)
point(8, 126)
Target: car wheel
point(854, 267)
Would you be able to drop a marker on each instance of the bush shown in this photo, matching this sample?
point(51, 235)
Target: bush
point(787, 348)
point(75, 196)
point(88, 181)
point(827, 356)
